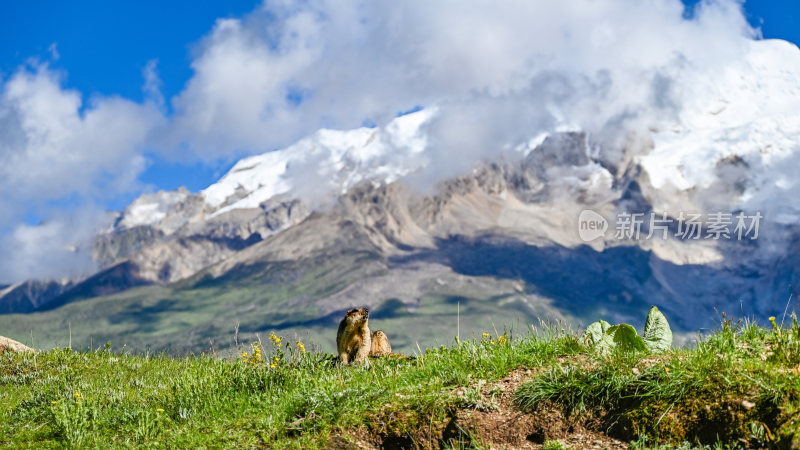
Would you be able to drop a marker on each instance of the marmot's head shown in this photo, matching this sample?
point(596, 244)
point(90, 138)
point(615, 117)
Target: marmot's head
point(380, 333)
point(357, 316)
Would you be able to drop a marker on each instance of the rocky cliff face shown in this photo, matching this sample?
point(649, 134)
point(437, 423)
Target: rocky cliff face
point(169, 236)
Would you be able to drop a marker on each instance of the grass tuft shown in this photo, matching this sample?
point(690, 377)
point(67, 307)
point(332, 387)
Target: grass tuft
point(738, 386)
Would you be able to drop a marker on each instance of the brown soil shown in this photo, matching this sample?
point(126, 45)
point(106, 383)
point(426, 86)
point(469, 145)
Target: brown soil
point(494, 421)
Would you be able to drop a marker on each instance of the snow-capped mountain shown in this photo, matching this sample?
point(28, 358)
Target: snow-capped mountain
point(328, 162)
point(732, 146)
point(338, 159)
point(172, 235)
point(734, 141)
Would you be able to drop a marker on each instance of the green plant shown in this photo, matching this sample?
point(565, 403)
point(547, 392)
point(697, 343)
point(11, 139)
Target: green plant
point(72, 419)
point(554, 445)
point(472, 398)
point(657, 335)
point(148, 425)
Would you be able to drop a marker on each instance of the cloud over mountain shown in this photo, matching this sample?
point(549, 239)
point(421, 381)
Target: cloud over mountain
point(499, 74)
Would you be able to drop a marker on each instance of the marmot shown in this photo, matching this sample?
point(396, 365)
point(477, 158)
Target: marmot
point(380, 344)
point(354, 340)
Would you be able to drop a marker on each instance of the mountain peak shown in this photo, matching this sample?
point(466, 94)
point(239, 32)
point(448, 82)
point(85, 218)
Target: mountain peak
point(328, 160)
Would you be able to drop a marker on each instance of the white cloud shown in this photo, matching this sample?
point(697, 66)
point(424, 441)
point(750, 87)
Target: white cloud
point(499, 71)
point(57, 249)
point(53, 50)
point(152, 83)
point(51, 150)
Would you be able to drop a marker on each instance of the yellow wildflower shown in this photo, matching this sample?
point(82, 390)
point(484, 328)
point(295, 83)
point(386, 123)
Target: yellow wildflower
point(774, 324)
point(276, 340)
point(301, 346)
point(77, 395)
point(160, 410)
point(54, 402)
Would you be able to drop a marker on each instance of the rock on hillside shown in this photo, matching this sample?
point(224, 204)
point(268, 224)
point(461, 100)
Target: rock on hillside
point(11, 345)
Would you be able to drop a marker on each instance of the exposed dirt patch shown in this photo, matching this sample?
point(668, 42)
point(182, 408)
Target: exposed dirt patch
point(484, 414)
point(354, 439)
point(499, 423)
point(517, 430)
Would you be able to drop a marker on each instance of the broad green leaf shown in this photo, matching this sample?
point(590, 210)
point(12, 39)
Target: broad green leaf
point(625, 337)
point(606, 343)
point(657, 334)
point(594, 332)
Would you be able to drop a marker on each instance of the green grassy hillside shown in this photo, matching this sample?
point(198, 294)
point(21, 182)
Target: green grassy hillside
point(738, 387)
point(203, 314)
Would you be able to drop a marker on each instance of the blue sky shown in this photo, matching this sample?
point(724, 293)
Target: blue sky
point(212, 98)
point(102, 48)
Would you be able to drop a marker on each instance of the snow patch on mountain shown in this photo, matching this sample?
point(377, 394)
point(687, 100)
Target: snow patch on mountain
point(150, 209)
point(328, 160)
point(747, 116)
